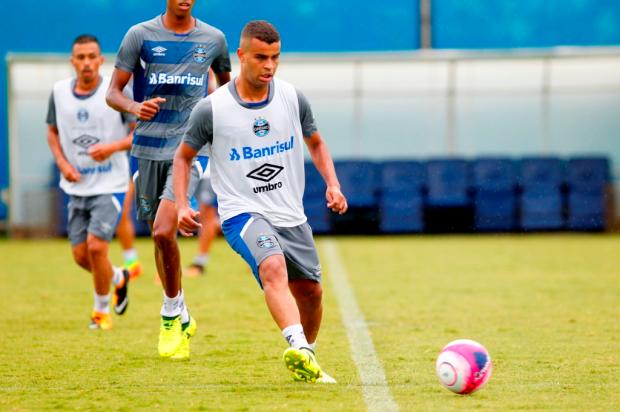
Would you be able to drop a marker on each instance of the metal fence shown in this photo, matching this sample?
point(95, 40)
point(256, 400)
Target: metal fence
point(381, 106)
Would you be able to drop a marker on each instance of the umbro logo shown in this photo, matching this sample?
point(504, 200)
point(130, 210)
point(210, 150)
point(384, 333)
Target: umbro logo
point(86, 141)
point(159, 51)
point(265, 173)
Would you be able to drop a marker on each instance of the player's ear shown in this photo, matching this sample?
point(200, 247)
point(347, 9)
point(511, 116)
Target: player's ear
point(240, 54)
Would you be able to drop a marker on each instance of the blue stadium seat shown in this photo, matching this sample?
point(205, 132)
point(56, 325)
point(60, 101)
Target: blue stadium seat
point(494, 183)
point(401, 202)
point(541, 182)
point(314, 201)
point(359, 182)
point(448, 183)
point(587, 179)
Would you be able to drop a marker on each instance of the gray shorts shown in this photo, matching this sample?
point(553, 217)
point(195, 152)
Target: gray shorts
point(255, 239)
point(154, 182)
point(205, 193)
point(97, 215)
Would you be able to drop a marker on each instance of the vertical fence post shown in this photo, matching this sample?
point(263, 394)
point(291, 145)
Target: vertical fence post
point(451, 109)
point(426, 38)
point(358, 108)
point(546, 106)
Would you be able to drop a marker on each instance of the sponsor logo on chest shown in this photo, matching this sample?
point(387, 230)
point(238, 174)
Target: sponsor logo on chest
point(252, 152)
point(181, 79)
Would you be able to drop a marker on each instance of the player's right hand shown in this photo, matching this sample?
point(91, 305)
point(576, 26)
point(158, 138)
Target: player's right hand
point(70, 173)
point(187, 219)
point(149, 108)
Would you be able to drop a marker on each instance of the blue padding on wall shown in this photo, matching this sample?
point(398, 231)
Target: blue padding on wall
point(541, 182)
point(315, 204)
point(359, 182)
point(587, 178)
point(448, 182)
point(587, 173)
point(401, 203)
point(495, 202)
point(480, 24)
point(541, 171)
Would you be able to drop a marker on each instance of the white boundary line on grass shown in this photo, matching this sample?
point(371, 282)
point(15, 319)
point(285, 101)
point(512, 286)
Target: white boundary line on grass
point(375, 388)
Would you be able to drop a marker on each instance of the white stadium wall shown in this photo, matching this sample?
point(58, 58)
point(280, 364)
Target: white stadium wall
point(379, 106)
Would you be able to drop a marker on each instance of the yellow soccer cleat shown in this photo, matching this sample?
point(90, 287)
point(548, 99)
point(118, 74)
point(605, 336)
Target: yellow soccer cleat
point(170, 336)
point(302, 363)
point(189, 332)
point(100, 320)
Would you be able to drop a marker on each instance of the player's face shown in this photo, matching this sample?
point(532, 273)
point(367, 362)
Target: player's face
point(86, 59)
point(259, 61)
point(180, 8)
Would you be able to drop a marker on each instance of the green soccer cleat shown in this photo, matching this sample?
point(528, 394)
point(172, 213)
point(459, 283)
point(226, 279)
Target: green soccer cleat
point(183, 352)
point(170, 336)
point(302, 363)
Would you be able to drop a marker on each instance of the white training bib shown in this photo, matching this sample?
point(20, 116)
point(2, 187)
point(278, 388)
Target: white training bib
point(257, 162)
point(81, 123)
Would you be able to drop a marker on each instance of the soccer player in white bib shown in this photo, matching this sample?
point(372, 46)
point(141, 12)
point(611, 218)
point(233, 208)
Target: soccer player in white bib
point(169, 58)
point(254, 128)
point(89, 140)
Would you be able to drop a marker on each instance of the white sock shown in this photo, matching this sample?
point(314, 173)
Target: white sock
point(130, 255)
point(312, 346)
point(201, 259)
point(102, 303)
point(117, 277)
point(171, 307)
point(184, 311)
point(294, 335)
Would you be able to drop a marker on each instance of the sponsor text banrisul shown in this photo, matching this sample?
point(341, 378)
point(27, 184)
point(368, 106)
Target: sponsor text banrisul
point(188, 79)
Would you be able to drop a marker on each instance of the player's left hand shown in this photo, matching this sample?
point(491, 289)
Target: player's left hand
point(336, 200)
point(100, 152)
point(187, 219)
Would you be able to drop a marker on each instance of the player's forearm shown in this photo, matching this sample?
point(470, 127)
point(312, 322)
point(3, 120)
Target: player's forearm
point(119, 102)
point(124, 143)
point(181, 167)
point(53, 142)
point(324, 163)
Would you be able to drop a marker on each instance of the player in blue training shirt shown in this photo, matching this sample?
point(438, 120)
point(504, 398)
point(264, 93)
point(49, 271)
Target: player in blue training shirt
point(169, 57)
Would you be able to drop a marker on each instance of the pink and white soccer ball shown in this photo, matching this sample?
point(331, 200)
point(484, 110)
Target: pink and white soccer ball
point(463, 366)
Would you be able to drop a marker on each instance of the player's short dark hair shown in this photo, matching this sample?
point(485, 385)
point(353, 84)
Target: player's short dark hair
point(85, 38)
point(261, 30)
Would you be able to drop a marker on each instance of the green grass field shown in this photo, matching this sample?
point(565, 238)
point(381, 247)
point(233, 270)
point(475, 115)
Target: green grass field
point(546, 306)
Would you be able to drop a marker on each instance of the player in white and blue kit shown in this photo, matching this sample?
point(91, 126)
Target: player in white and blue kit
point(169, 58)
point(254, 128)
point(79, 124)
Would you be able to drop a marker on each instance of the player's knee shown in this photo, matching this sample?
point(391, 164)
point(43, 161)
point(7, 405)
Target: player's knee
point(81, 258)
point(273, 271)
point(163, 234)
point(312, 292)
point(96, 247)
